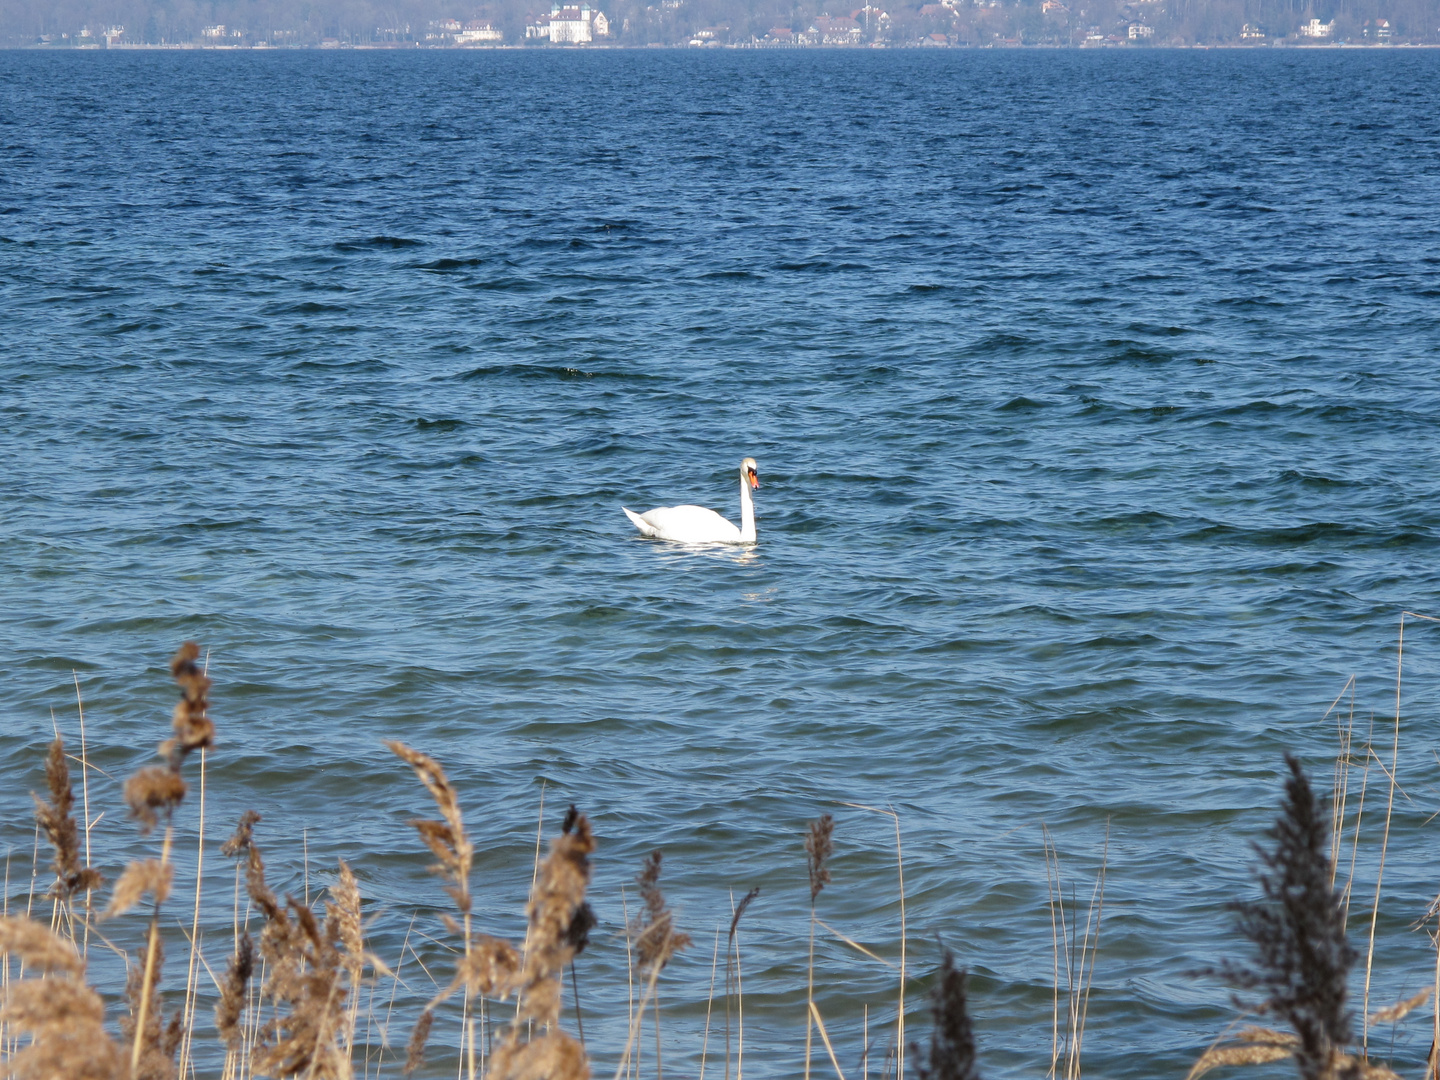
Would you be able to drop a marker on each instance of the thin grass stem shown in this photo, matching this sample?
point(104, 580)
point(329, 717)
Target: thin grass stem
point(710, 1001)
point(825, 1037)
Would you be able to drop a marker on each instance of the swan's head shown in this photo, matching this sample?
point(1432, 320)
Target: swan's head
point(748, 473)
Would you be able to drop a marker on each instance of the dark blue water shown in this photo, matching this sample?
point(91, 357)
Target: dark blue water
point(1094, 398)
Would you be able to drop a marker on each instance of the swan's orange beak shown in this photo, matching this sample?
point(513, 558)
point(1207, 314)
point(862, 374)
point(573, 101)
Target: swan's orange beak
point(754, 480)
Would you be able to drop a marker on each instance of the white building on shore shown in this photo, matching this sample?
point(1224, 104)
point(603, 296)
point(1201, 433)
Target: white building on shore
point(477, 32)
point(570, 25)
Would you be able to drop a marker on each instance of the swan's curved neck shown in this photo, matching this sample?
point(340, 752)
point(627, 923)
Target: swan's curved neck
point(747, 513)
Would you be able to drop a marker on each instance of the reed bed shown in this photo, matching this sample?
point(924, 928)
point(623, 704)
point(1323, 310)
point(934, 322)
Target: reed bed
point(299, 993)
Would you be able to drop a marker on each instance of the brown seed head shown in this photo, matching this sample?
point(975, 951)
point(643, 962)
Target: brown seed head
point(244, 833)
point(446, 839)
point(150, 876)
point(577, 934)
point(37, 946)
point(415, 1050)
point(656, 939)
point(557, 897)
point(740, 910)
point(231, 1006)
point(75, 1053)
point(1254, 1054)
point(551, 1057)
point(349, 931)
point(157, 1049)
point(152, 791)
point(60, 827)
point(817, 851)
point(41, 1005)
point(306, 984)
point(193, 728)
point(492, 970)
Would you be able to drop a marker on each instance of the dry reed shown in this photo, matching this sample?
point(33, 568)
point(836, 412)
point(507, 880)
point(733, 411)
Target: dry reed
point(951, 1054)
point(732, 980)
point(61, 1015)
point(288, 1002)
point(818, 848)
point(54, 817)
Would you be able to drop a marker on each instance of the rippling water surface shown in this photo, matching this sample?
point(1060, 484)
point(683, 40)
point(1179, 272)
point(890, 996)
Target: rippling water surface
point(1094, 397)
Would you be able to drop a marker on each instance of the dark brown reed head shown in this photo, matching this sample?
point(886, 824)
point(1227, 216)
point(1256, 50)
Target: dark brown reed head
point(193, 728)
point(656, 939)
point(446, 839)
point(577, 934)
point(242, 844)
point(818, 848)
point(740, 910)
point(1302, 957)
point(55, 817)
point(951, 1054)
point(244, 834)
point(415, 1049)
point(231, 1006)
point(153, 792)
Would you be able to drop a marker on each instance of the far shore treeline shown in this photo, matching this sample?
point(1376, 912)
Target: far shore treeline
point(112, 24)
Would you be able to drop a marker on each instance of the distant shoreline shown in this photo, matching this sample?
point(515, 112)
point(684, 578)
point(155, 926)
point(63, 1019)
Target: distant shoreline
point(1291, 46)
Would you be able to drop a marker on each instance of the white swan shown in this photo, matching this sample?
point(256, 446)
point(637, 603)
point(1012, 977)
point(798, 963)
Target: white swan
point(697, 525)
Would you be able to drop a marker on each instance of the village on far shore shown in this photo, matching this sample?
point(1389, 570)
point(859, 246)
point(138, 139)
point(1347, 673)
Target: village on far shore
point(703, 24)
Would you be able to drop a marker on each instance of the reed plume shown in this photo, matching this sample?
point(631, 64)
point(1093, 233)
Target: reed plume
point(952, 1043)
point(308, 968)
point(54, 817)
point(577, 934)
point(150, 876)
point(153, 792)
point(1302, 957)
point(556, 902)
point(63, 1017)
point(144, 1025)
point(450, 844)
point(656, 939)
point(732, 974)
point(308, 990)
point(555, 1056)
point(231, 1007)
point(191, 722)
point(818, 848)
point(344, 910)
point(419, 1035)
point(446, 839)
point(38, 948)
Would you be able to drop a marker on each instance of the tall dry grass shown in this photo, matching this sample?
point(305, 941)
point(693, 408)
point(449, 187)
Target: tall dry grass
point(299, 993)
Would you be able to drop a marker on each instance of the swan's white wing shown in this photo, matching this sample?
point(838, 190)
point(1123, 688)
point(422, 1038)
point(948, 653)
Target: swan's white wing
point(687, 524)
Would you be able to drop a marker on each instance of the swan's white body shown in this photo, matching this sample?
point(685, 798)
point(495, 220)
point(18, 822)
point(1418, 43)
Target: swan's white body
point(696, 524)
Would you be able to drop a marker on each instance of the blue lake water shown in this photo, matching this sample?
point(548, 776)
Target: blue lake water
point(1094, 398)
